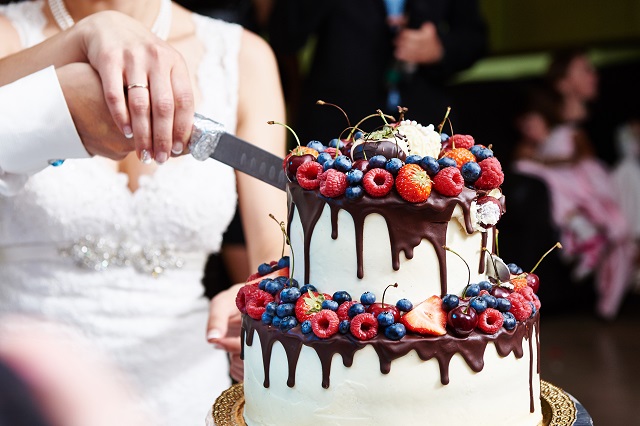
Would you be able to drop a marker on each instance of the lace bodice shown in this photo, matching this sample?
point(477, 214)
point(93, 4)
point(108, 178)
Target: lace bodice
point(151, 325)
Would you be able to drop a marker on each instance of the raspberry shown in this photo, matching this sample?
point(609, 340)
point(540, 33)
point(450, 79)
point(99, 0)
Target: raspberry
point(448, 182)
point(307, 175)
point(343, 309)
point(331, 151)
point(520, 307)
point(536, 301)
point(461, 141)
point(526, 291)
point(243, 295)
point(332, 183)
point(460, 155)
point(491, 176)
point(364, 326)
point(325, 323)
point(490, 321)
point(377, 182)
point(413, 183)
point(257, 303)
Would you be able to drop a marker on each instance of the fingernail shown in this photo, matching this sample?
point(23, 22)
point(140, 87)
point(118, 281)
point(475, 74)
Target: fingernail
point(128, 131)
point(177, 148)
point(218, 347)
point(161, 157)
point(145, 157)
point(214, 334)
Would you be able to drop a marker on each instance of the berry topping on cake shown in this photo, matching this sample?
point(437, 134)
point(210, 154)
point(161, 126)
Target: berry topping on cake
point(307, 175)
point(332, 183)
point(491, 176)
point(243, 294)
point(427, 318)
point(413, 184)
point(461, 141)
point(460, 156)
point(377, 182)
point(462, 320)
point(343, 309)
point(284, 272)
point(309, 304)
point(520, 307)
point(395, 331)
point(256, 303)
point(490, 321)
point(325, 324)
point(364, 326)
point(448, 182)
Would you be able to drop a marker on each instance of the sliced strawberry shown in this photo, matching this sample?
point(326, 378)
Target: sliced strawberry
point(325, 323)
point(309, 304)
point(427, 318)
point(364, 326)
point(284, 272)
point(490, 320)
point(257, 303)
point(243, 295)
point(343, 309)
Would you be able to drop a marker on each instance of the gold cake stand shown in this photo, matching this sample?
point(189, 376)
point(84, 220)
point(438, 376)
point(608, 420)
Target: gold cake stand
point(558, 407)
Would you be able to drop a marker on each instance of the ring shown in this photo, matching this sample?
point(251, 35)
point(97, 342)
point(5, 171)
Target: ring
point(140, 85)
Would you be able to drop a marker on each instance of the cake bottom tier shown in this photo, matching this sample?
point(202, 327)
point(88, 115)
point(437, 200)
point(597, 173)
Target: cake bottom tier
point(293, 379)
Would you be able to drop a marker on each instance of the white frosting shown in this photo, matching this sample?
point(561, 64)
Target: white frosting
point(421, 140)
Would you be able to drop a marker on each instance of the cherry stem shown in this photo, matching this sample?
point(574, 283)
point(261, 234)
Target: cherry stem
point(466, 264)
point(495, 239)
point(321, 102)
point(401, 112)
point(287, 127)
point(377, 114)
point(385, 292)
point(285, 241)
point(441, 125)
point(556, 245)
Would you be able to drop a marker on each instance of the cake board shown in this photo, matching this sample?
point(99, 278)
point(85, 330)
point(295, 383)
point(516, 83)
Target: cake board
point(559, 408)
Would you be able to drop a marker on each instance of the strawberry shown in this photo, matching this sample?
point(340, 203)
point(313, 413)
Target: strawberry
point(307, 175)
point(257, 303)
point(490, 320)
point(309, 304)
point(284, 272)
point(343, 309)
point(364, 326)
point(460, 155)
point(448, 182)
point(491, 175)
point(325, 323)
point(520, 307)
point(461, 141)
point(377, 182)
point(413, 183)
point(332, 183)
point(427, 318)
point(243, 295)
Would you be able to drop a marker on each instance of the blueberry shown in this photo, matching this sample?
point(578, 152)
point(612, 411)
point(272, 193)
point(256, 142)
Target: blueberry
point(328, 164)
point(395, 332)
point(341, 297)
point(404, 305)
point(367, 298)
point(285, 309)
point(472, 290)
point(292, 282)
point(503, 305)
point(485, 285)
point(492, 302)
point(305, 288)
point(483, 154)
point(264, 269)
point(284, 281)
point(509, 321)
point(514, 269)
point(354, 192)
point(271, 308)
point(262, 285)
point(342, 163)
point(470, 171)
point(336, 143)
point(317, 145)
point(266, 318)
point(443, 137)
point(385, 319)
point(475, 149)
point(447, 162)
point(344, 326)
point(323, 157)
point(273, 287)
point(305, 327)
point(283, 262)
point(450, 301)
point(430, 164)
point(330, 304)
point(290, 294)
point(533, 309)
point(354, 176)
point(479, 304)
point(377, 162)
point(287, 323)
point(276, 321)
point(393, 165)
point(413, 159)
point(355, 309)
point(358, 135)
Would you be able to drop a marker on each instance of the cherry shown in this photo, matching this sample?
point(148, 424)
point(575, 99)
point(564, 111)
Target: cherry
point(362, 165)
point(378, 308)
point(294, 160)
point(463, 320)
point(498, 292)
point(533, 281)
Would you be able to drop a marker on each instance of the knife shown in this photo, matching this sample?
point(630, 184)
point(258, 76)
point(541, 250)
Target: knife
point(209, 140)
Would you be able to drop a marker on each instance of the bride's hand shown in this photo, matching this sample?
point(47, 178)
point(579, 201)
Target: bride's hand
point(125, 53)
point(223, 329)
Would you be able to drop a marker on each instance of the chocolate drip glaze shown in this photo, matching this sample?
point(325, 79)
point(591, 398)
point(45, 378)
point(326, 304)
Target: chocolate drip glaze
point(408, 223)
point(442, 348)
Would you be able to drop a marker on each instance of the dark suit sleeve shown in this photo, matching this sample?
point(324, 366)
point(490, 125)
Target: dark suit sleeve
point(292, 22)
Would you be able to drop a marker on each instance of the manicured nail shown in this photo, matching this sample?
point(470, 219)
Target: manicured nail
point(145, 157)
point(161, 157)
point(177, 148)
point(214, 334)
point(128, 131)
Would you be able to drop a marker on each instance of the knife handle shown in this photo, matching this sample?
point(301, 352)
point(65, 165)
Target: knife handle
point(205, 136)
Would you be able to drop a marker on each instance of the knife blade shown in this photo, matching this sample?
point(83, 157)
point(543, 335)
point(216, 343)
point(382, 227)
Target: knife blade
point(209, 140)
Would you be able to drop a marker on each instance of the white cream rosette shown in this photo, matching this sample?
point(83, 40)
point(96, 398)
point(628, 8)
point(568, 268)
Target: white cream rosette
point(419, 140)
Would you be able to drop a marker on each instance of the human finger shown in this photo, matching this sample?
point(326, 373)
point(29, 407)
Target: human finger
point(162, 112)
point(184, 107)
point(139, 104)
point(222, 310)
point(236, 367)
point(232, 345)
point(115, 96)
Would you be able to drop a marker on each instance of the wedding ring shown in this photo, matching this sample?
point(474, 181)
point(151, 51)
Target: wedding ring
point(134, 85)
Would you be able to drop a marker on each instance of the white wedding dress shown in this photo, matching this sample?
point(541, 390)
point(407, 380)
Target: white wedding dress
point(78, 248)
